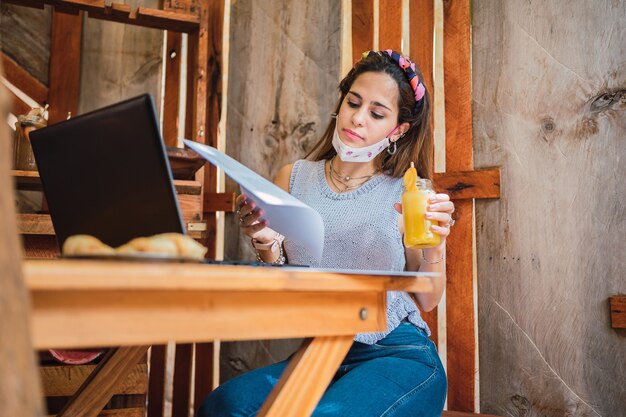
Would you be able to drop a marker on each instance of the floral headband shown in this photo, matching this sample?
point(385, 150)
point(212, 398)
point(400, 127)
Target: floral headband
point(409, 68)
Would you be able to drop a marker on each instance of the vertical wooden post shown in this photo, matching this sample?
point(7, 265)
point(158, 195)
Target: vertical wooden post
point(156, 388)
point(171, 97)
point(422, 26)
point(65, 44)
point(182, 380)
point(20, 391)
point(460, 320)
point(209, 57)
point(362, 27)
point(213, 57)
point(390, 25)
point(204, 371)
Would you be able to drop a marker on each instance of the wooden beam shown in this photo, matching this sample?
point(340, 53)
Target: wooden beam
point(178, 21)
point(458, 85)
point(118, 412)
point(482, 183)
point(618, 311)
point(193, 79)
point(390, 25)
point(22, 79)
point(17, 106)
point(181, 397)
point(65, 44)
point(65, 380)
point(171, 95)
point(186, 6)
point(213, 43)
point(460, 322)
point(97, 390)
point(362, 27)
point(421, 26)
point(32, 179)
point(156, 390)
point(20, 389)
point(151, 316)
point(214, 202)
point(460, 318)
point(204, 371)
point(306, 374)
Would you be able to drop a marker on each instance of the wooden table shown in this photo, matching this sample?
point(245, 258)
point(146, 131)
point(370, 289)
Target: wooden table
point(77, 304)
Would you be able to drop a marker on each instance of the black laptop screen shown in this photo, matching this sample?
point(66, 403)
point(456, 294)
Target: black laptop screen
point(106, 174)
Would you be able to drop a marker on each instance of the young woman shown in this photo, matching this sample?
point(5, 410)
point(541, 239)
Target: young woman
point(353, 177)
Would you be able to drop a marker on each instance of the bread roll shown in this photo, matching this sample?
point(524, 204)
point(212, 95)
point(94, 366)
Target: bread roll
point(171, 244)
point(85, 245)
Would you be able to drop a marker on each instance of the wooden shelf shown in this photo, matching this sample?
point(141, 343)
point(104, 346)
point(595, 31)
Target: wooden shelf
point(189, 200)
point(41, 224)
point(29, 180)
point(122, 13)
point(34, 224)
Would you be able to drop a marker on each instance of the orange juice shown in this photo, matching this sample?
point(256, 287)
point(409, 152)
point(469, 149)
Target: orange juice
point(417, 232)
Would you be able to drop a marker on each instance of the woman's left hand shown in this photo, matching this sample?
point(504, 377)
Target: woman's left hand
point(440, 209)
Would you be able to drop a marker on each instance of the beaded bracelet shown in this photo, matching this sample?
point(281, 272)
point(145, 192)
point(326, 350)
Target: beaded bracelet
point(443, 258)
point(279, 261)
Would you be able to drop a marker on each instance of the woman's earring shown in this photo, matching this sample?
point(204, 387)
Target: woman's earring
point(333, 115)
point(391, 151)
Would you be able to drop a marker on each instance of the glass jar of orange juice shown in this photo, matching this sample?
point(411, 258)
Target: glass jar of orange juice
point(415, 202)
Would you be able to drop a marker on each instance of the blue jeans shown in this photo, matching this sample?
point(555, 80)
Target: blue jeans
point(399, 376)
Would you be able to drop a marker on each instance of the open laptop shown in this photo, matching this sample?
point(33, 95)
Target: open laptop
point(106, 174)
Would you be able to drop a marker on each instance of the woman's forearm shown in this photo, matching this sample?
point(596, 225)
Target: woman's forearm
point(429, 260)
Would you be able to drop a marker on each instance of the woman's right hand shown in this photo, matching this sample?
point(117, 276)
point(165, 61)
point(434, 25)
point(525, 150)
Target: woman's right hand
point(250, 221)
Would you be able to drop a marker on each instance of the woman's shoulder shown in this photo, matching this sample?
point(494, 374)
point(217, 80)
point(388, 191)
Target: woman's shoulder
point(283, 177)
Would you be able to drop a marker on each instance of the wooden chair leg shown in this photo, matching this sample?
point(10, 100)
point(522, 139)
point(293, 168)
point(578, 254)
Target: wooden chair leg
point(100, 386)
point(306, 378)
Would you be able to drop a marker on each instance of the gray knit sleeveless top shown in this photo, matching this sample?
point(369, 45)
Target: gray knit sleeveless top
point(361, 232)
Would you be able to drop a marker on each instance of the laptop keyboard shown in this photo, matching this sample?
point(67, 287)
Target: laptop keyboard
point(246, 263)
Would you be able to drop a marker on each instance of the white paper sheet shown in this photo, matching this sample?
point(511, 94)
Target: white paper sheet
point(285, 213)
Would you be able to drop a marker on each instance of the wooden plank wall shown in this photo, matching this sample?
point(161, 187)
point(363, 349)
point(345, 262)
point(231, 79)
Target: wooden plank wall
point(549, 92)
point(119, 61)
point(284, 72)
point(25, 37)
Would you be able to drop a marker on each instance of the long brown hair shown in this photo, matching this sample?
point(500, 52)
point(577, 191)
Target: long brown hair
point(417, 143)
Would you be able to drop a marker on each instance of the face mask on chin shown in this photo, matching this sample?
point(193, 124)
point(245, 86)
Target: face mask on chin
point(349, 153)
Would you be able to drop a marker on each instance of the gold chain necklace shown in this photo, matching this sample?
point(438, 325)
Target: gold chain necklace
point(336, 177)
